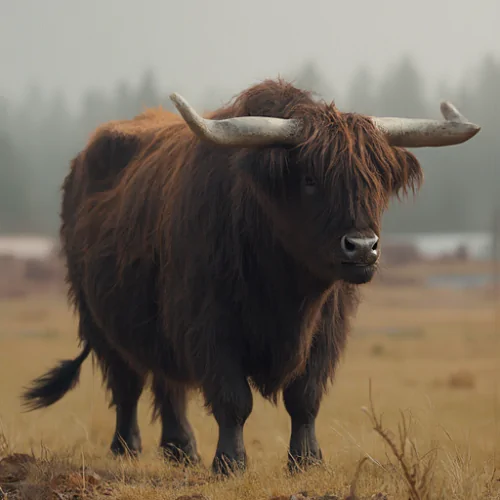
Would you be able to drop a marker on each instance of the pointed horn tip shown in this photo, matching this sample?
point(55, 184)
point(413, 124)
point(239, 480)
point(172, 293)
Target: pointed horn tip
point(447, 102)
point(183, 107)
point(446, 105)
point(451, 113)
point(474, 129)
point(176, 99)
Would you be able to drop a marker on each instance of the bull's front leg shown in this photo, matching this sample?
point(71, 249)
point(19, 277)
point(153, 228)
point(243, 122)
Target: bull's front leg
point(303, 396)
point(302, 401)
point(229, 398)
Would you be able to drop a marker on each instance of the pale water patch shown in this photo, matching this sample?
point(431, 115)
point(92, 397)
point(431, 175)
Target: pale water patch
point(26, 247)
point(459, 281)
point(478, 245)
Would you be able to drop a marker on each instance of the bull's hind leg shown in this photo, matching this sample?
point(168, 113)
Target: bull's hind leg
point(124, 384)
point(126, 387)
point(177, 437)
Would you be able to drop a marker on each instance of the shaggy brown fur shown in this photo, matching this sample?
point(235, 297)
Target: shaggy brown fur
point(213, 268)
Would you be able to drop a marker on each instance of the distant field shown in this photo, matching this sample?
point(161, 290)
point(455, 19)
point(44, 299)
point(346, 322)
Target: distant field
point(433, 354)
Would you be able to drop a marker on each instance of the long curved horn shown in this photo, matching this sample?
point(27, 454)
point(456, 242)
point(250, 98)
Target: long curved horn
point(421, 133)
point(241, 131)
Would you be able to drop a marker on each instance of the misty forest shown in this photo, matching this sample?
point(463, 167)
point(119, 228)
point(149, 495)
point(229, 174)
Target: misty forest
point(39, 135)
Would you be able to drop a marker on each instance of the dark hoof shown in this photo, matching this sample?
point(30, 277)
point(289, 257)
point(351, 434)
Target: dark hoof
point(298, 463)
point(223, 465)
point(131, 448)
point(182, 455)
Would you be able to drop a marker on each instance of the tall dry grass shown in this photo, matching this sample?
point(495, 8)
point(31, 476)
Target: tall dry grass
point(428, 429)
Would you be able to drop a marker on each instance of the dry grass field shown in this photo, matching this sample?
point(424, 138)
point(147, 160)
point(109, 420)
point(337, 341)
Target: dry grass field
point(432, 356)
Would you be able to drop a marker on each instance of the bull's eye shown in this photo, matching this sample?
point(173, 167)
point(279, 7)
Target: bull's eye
point(309, 184)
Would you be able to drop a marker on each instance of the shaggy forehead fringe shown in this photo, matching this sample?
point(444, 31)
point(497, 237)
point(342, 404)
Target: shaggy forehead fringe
point(355, 161)
point(344, 150)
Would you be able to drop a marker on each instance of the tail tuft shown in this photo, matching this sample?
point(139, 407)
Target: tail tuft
point(53, 385)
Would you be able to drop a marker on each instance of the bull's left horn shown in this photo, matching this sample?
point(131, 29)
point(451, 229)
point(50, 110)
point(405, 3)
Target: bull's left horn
point(242, 131)
point(421, 133)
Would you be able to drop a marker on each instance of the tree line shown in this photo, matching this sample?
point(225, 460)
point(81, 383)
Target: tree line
point(39, 136)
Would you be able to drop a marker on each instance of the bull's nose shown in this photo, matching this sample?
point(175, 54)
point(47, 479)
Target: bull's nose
point(359, 248)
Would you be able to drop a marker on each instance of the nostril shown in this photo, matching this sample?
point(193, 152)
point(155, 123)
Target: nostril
point(349, 245)
point(375, 246)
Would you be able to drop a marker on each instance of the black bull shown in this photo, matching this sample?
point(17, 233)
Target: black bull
point(224, 253)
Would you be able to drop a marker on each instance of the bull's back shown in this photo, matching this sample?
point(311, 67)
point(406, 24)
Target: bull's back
point(114, 145)
point(97, 171)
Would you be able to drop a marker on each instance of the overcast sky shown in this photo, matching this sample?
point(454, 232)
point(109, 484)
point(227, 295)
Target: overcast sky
point(229, 44)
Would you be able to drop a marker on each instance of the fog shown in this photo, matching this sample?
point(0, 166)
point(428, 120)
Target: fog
point(67, 66)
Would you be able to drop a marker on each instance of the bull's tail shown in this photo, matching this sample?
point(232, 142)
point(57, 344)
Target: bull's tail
point(53, 385)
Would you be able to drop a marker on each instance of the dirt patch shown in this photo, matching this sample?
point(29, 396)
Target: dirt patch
point(24, 477)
